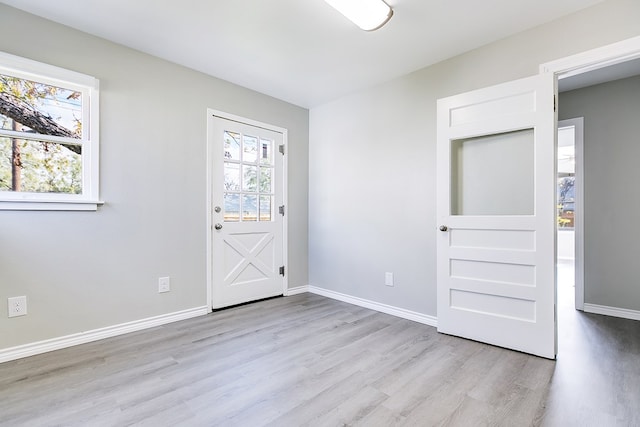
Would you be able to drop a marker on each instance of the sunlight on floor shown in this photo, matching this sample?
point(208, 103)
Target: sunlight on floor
point(566, 284)
point(569, 323)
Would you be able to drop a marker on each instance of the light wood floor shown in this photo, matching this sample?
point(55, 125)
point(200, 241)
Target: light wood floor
point(309, 360)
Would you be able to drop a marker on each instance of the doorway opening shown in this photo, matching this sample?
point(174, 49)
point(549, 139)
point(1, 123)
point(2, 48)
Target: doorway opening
point(605, 64)
point(570, 285)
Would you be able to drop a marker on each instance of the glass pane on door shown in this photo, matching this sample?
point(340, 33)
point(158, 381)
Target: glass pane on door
point(265, 180)
point(231, 176)
point(267, 149)
point(231, 145)
point(249, 207)
point(231, 207)
point(265, 208)
point(249, 178)
point(493, 174)
point(250, 149)
point(249, 174)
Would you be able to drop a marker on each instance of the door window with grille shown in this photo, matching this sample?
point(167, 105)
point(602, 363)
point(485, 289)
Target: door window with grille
point(248, 178)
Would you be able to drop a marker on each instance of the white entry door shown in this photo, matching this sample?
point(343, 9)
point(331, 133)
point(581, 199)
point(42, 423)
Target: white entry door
point(247, 218)
point(496, 210)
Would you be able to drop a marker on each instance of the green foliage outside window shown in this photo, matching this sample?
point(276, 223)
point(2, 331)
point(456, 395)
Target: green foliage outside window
point(27, 163)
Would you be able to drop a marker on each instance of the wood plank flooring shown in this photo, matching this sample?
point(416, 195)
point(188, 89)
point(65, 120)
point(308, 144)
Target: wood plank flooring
point(308, 360)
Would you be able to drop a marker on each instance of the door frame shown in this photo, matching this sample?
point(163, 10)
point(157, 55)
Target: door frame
point(612, 54)
point(209, 198)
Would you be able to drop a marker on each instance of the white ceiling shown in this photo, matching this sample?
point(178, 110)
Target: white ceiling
point(300, 51)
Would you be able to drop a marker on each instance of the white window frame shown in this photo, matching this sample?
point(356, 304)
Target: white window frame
point(88, 86)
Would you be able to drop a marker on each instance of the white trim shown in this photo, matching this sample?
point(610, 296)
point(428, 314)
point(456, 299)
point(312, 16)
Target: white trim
point(593, 59)
point(39, 347)
point(244, 120)
point(285, 202)
point(209, 207)
point(615, 53)
point(32, 205)
point(89, 87)
point(285, 199)
point(30, 69)
point(373, 305)
point(297, 290)
point(42, 137)
point(612, 311)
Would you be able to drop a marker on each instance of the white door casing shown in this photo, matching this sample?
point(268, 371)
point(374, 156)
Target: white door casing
point(584, 62)
point(247, 187)
point(496, 196)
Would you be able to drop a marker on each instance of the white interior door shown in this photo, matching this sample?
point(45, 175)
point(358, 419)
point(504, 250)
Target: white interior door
point(247, 224)
point(496, 212)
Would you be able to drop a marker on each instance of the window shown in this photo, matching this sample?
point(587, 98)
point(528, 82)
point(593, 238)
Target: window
point(566, 177)
point(48, 137)
point(248, 178)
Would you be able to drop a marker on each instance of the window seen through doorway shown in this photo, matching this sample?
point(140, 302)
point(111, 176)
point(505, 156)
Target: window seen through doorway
point(566, 177)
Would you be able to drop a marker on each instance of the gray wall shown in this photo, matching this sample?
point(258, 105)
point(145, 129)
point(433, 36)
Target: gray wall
point(611, 114)
point(86, 270)
point(372, 159)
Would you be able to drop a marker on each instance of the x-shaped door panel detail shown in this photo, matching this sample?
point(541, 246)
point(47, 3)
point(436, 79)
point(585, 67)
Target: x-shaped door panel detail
point(249, 257)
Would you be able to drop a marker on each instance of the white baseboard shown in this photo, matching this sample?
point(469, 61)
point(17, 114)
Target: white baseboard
point(612, 311)
point(297, 290)
point(38, 347)
point(383, 308)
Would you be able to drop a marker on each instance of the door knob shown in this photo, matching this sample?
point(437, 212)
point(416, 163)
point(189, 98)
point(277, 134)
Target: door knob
point(218, 226)
point(217, 209)
point(443, 228)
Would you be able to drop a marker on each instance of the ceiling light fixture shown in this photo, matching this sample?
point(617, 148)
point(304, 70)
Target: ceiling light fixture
point(366, 14)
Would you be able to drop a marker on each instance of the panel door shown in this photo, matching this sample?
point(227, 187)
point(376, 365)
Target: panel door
point(496, 212)
point(248, 228)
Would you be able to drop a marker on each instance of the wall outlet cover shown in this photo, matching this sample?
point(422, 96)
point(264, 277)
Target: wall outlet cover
point(17, 306)
point(388, 279)
point(164, 284)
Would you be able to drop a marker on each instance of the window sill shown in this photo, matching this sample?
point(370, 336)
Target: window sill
point(49, 205)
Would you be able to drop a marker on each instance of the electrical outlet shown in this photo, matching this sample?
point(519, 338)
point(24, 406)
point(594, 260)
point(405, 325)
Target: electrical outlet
point(164, 284)
point(17, 306)
point(388, 279)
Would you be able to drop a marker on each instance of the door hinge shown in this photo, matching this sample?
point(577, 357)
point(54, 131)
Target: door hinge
point(282, 270)
point(281, 149)
point(554, 103)
point(281, 210)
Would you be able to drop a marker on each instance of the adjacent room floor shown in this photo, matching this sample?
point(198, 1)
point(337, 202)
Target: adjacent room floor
point(310, 360)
